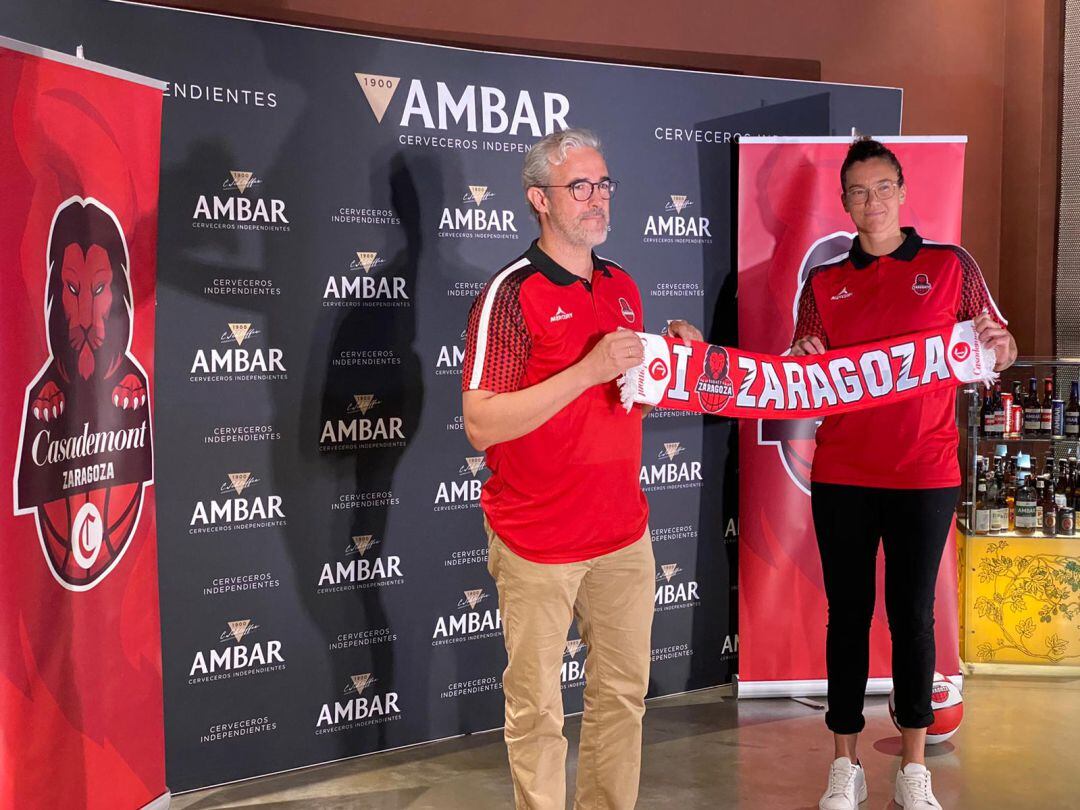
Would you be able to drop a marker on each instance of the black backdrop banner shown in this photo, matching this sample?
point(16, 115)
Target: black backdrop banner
point(330, 205)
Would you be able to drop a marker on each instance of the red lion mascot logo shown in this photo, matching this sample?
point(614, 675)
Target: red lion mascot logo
point(714, 386)
point(85, 453)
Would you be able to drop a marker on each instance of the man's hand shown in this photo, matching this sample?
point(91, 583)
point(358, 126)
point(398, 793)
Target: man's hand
point(612, 355)
point(807, 345)
point(994, 336)
point(685, 330)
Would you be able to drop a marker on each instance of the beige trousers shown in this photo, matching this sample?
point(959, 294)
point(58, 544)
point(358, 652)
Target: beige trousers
point(612, 598)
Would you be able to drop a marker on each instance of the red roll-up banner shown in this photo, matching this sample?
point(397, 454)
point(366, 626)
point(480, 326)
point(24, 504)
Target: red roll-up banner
point(81, 722)
point(790, 219)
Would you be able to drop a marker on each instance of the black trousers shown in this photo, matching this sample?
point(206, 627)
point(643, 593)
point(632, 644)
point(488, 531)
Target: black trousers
point(914, 525)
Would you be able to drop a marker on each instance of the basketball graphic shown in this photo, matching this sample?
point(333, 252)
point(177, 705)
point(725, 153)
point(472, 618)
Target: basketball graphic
point(85, 452)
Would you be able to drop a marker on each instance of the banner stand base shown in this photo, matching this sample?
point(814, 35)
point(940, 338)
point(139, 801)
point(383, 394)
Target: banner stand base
point(162, 802)
point(746, 690)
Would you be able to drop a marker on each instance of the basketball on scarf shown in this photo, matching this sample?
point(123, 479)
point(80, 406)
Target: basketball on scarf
point(947, 704)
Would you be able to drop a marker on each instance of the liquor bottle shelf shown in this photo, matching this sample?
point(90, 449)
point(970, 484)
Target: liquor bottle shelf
point(1011, 535)
point(991, 439)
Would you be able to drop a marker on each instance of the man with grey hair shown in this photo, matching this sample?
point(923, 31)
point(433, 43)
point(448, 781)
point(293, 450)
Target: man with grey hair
point(566, 519)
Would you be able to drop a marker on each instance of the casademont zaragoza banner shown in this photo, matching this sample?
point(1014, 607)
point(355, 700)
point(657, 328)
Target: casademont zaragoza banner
point(790, 219)
point(81, 721)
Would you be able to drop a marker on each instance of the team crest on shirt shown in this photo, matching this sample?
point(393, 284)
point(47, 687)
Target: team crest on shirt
point(922, 284)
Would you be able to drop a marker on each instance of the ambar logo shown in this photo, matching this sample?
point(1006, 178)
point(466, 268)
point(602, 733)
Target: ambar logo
point(671, 449)
point(472, 598)
point(365, 260)
point(240, 181)
point(363, 710)
point(238, 482)
point(358, 431)
point(473, 623)
point(473, 465)
point(238, 657)
point(358, 683)
point(358, 570)
point(236, 362)
point(673, 595)
point(668, 571)
point(451, 495)
point(478, 194)
point(451, 357)
point(236, 510)
point(238, 333)
point(487, 110)
point(672, 474)
point(238, 629)
point(678, 203)
point(234, 210)
point(674, 226)
point(473, 221)
point(379, 91)
point(573, 669)
point(352, 290)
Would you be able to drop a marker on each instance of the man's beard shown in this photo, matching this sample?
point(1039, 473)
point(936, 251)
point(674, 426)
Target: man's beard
point(575, 230)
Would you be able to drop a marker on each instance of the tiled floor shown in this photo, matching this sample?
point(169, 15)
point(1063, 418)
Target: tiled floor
point(1019, 747)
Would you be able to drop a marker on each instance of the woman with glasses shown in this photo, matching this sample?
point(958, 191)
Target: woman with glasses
point(887, 474)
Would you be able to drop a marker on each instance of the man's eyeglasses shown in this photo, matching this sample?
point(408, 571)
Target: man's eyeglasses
point(582, 190)
point(883, 191)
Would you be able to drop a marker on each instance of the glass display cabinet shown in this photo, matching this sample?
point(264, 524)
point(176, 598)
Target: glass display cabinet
point(1017, 539)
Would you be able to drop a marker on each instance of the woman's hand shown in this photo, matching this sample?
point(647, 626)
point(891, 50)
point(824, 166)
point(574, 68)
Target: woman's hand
point(685, 330)
point(807, 345)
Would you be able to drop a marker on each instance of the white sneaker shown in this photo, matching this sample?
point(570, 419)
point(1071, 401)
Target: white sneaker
point(913, 788)
point(847, 786)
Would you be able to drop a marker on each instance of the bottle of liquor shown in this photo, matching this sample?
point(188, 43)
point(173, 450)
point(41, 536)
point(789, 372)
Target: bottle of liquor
point(1008, 488)
point(982, 509)
point(1032, 410)
point(986, 413)
point(1061, 483)
point(1057, 418)
point(1040, 495)
point(1072, 412)
point(1049, 510)
point(1026, 505)
point(999, 411)
point(999, 509)
point(1015, 428)
point(1046, 408)
point(1067, 521)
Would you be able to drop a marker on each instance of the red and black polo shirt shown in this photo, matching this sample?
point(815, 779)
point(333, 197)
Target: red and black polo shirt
point(569, 490)
point(855, 298)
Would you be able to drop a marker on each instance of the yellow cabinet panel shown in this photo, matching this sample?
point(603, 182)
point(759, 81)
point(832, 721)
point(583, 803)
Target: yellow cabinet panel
point(1020, 597)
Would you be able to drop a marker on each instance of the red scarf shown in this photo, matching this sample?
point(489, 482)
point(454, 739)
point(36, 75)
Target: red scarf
point(731, 382)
